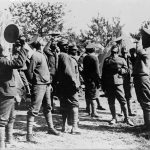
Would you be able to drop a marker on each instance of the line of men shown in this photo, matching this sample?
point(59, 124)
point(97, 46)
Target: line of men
point(41, 79)
point(56, 66)
point(116, 75)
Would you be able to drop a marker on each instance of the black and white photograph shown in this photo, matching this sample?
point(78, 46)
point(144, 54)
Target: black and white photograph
point(74, 74)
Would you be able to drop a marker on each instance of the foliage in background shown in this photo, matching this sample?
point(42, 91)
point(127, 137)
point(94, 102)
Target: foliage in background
point(38, 18)
point(43, 18)
point(102, 31)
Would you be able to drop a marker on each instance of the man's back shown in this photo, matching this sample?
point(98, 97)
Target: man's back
point(38, 69)
point(91, 67)
point(66, 74)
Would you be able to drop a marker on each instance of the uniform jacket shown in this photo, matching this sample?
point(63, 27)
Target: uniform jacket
point(75, 69)
point(38, 69)
point(52, 60)
point(142, 63)
point(113, 70)
point(91, 72)
point(66, 74)
point(128, 77)
point(7, 82)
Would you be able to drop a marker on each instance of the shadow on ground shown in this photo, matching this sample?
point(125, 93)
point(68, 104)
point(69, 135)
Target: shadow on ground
point(93, 123)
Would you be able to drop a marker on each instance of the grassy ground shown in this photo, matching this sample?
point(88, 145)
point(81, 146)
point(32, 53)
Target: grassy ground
point(96, 133)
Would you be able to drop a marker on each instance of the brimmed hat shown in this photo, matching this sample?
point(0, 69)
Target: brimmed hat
point(90, 46)
point(11, 33)
point(75, 47)
point(145, 37)
point(118, 40)
point(54, 33)
point(64, 42)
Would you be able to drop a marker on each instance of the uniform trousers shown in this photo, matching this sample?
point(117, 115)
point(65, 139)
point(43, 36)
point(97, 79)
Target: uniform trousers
point(116, 91)
point(7, 110)
point(142, 89)
point(40, 97)
point(67, 104)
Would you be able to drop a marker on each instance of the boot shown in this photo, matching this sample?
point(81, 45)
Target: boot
point(145, 129)
point(75, 114)
point(88, 106)
point(93, 106)
point(52, 102)
point(2, 138)
point(147, 119)
point(9, 131)
point(125, 112)
point(113, 113)
point(51, 129)
point(69, 118)
point(129, 108)
point(65, 120)
point(120, 114)
point(99, 105)
point(30, 121)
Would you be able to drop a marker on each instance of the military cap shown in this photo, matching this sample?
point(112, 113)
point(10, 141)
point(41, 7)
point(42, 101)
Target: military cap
point(90, 46)
point(145, 37)
point(54, 33)
point(118, 40)
point(75, 47)
point(64, 42)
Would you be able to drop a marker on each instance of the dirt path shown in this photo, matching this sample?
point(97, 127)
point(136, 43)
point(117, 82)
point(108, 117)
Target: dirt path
point(96, 133)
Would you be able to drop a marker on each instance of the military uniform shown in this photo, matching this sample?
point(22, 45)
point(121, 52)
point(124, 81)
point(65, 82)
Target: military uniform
point(142, 82)
point(114, 68)
point(52, 61)
point(128, 82)
point(68, 79)
point(91, 76)
point(7, 93)
point(39, 76)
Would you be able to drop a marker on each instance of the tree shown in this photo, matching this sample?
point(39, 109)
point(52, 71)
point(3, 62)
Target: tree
point(102, 31)
point(38, 18)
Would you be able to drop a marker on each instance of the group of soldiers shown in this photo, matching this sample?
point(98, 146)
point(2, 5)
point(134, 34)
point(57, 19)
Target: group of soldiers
point(54, 70)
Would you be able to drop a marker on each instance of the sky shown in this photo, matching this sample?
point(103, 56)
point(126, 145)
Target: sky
point(80, 12)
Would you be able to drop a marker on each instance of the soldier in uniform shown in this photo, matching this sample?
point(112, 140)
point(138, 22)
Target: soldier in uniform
point(68, 84)
point(114, 68)
point(127, 80)
point(39, 76)
point(8, 92)
point(91, 76)
point(141, 72)
point(72, 51)
point(51, 53)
